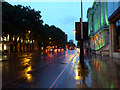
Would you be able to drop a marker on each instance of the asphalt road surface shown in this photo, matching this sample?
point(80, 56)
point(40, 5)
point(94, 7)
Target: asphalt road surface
point(35, 70)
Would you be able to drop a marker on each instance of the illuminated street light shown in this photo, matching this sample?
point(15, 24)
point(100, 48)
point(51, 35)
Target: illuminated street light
point(29, 32)
point(49, 38)
point(1, 39)
point(13, 38)
point(33, 41)
point(21, 40)
point(5, 39)
point(17, 39)
point(41, 48)
point(5, 47)
point(28, 40)
point(74, 31)
point(8, 37)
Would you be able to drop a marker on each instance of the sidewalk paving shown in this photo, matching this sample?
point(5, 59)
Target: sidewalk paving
point(102, 72)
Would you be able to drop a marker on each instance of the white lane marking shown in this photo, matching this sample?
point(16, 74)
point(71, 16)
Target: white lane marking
point(60, 74)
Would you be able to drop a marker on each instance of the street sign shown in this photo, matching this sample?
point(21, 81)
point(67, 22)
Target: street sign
point(78, 31)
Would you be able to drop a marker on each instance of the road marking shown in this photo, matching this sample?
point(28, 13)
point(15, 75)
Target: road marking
point(61, 57)
point(60, 74)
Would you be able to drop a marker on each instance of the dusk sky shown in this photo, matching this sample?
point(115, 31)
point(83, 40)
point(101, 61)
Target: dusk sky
point(61, 14)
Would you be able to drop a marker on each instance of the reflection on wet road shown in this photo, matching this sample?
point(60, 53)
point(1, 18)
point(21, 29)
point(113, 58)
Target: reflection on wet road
point(59, 70)
point(19, 67)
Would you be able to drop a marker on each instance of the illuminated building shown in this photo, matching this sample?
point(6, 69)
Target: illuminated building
point(104, 27)
point(10, 44)
point(98, 28)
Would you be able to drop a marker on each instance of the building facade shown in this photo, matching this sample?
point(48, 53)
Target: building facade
point(10, 44)
point(104, 27)
point(98, 28)
point(114, 28)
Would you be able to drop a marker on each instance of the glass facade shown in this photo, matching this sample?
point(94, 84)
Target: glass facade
point(118, 36)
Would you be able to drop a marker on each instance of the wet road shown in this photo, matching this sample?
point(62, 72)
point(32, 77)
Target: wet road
point(60, 70)
point(21, 68)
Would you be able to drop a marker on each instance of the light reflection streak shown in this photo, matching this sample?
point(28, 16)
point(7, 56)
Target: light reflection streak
point(100, 65)
point(27, 70)
point(78, 74)
point(27, 63)
point(66, 54)
point(62, 53)
point(52, 56)
point(81, 75)
point(73, 62)
point(101, 68)
point(55, 55)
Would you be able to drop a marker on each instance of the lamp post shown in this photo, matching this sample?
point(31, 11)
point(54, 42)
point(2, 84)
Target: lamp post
point(50, 41)
point(74, 31)
point(81, 41)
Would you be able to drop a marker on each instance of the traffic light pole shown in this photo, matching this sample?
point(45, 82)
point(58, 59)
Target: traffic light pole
point(81, 42)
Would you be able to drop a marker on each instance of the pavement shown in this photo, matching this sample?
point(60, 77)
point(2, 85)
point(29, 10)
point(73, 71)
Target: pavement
point(105, 71)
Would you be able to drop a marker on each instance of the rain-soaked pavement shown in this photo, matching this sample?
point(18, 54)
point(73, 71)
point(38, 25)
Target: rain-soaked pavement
point(59, 70)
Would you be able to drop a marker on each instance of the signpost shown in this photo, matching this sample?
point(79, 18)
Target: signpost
point(81, 42)
point(80, 36)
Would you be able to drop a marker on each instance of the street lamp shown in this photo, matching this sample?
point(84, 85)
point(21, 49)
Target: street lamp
point(1, 39)
point(29, 36)
point(81, 22)
point(81, 42)
point(74, 31)
point(17, 39)
point(29, 32)
point(8, 37)
point(33, 41)
point(13, 38)
point(49, 38)
point(50, 41)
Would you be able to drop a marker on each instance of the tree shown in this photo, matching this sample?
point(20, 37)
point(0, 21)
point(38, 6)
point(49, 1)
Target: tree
point(18, 20)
